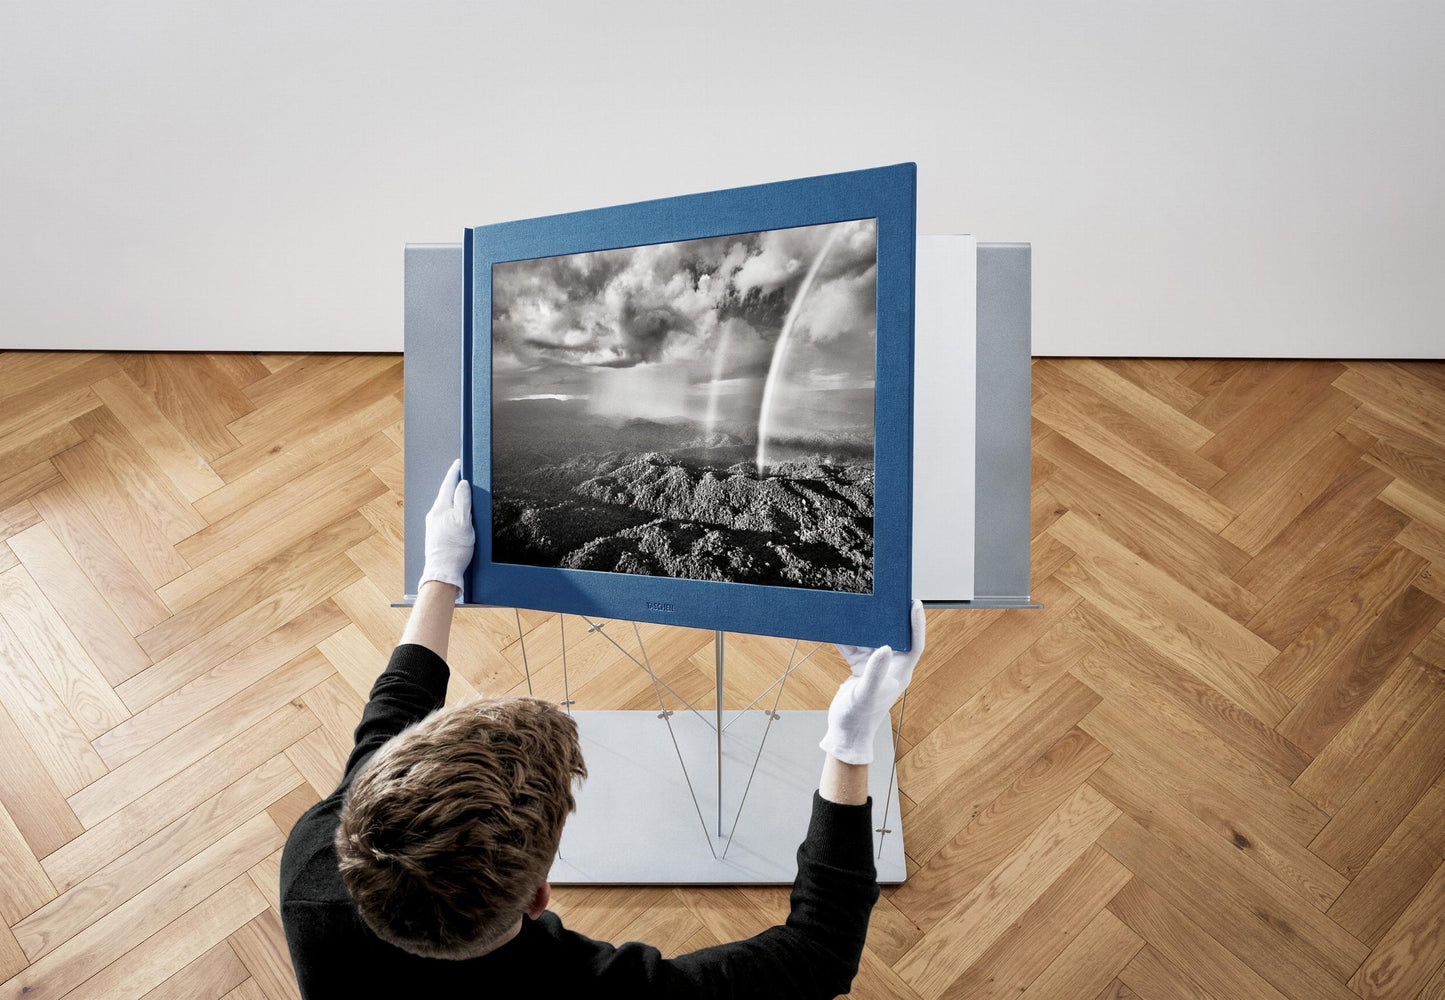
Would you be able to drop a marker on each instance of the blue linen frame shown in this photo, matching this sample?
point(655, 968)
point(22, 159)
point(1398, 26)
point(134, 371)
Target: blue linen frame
point(887, 194)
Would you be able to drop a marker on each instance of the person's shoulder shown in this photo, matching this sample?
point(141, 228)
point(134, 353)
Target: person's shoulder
point(309, 869)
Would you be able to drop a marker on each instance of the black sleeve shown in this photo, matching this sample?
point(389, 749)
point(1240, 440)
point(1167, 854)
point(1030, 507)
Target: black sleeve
point(413, 685)
point(816, 952)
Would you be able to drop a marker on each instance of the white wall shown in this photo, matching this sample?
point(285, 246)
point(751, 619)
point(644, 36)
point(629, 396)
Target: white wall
point(1237, 178)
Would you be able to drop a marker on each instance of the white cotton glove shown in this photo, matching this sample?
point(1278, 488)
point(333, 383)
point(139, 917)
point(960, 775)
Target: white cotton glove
point(450, 537)
point(863, 700)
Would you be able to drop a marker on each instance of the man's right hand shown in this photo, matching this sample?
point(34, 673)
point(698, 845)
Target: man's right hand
point(450, 537)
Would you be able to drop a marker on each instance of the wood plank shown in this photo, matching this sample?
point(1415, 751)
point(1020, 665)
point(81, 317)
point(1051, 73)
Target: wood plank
point(1252, 485)
point(225, 641)
point(1411, 950)
point(999, 828)
point(1357, 671)
point(977, 920)
point(246, 991)
point(1396, 391)
point(1274, 884)
point(115, 577)
point(1026, 947)
point(1332, 572)
point(321, 759)
point(336, 502)
point(282, 430)
point(258, 516)
point(39, 409)
point(1157, 377)
point(16, 518)
point(25, 887)
point(1399, 450)
point(242, 370)
point(230, 677)
point(295, 458)
point(261, 945)
point(1411, 687)
point(109, 938)
point(1276, 953)
point(132, 528)
point(305, 371)
point(315, 567)
point(1171, 444)
point(42, 719)
point(220, 782)
point(286, 810)
point(170, 950)
point(1207, 775)
point(1194, 635)
point(1252, 432)
point(1128, 669)
point(1425, 541)
point(266, 874)
point(197, 738)
point(1229, 387)
point(1394, 875)
point(58, 654)
point(209, 977)
point(1182, 495)
point(1288, 552)
point(1153, 977)
point(1274, 506)
point(194, 397)
point(22, 370)
point(1386, 797)
point(85, 613)
point(289, 408)
point(1186, 945)
point(1303, 665)
point(1131, 386)
point(170, 450)
point(1090, 962)
point(1193, 556)
point(957, 672)
point(27, 791)
point(1418, 503)
point(120, 880)
point(968, 791)
point(952, 744)
point(27, 482)
point(12, 959)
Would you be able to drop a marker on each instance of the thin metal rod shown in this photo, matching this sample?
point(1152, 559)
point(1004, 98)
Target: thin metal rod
point(760, 697)
point(883, 830)
point(566, 688)
point(717, 639)
point(648, 671)
point(667, 718)
point(772, 717)
point(522, 639)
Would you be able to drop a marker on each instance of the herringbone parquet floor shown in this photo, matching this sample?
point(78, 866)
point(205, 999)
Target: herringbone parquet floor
point(1210, 767)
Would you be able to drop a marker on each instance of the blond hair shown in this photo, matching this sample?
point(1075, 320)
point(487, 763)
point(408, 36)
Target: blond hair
point(451, 827)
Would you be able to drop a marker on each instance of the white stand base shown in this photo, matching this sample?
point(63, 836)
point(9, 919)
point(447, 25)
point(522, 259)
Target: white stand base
point(636, 821)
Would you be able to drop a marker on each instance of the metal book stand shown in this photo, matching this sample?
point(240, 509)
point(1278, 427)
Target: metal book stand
point(675, 796)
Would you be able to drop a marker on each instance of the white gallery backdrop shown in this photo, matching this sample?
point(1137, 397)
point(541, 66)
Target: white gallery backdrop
point(1237, 178)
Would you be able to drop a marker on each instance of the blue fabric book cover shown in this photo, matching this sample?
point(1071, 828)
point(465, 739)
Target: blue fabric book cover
point(697, 410)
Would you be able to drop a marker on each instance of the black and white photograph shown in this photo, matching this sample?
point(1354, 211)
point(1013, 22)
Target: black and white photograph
point(701, 409)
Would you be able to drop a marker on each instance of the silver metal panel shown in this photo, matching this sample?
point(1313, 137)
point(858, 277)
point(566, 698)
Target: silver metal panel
point(433, 383)
point(636, 822)
point(1001, 456)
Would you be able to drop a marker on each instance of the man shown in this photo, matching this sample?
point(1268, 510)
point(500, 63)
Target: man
point(424, 873)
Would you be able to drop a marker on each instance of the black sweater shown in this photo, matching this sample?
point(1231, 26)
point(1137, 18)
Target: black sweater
point(814, 954)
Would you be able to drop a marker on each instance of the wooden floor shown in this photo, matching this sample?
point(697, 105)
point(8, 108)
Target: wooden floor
point(1210, 767)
